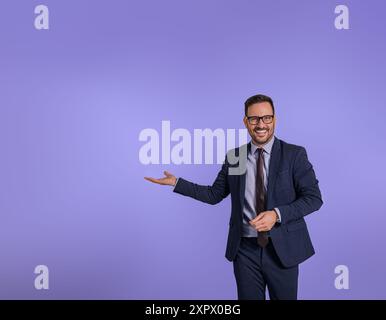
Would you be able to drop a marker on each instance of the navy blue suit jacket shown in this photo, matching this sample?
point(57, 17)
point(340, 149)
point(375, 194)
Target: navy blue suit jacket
point(292, 187)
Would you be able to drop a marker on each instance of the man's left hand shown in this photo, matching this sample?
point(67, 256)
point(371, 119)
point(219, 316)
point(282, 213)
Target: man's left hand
point(264, 221)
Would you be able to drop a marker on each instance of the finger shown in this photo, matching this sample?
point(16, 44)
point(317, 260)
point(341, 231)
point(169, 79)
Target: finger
point(260, 216)
point(153, 180)
point(252, 223)
point(262, 228)
point(257, 225)
point(256, 219)
point(260, 225)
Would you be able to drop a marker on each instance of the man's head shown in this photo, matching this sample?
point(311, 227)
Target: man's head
point(260, 118)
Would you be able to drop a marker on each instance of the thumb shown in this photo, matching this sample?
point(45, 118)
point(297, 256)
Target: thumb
point(168, 174)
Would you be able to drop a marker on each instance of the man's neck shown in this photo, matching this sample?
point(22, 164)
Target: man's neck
point(262, 145)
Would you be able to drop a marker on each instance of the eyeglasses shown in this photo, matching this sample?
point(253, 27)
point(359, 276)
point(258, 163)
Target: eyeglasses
point(255, 119)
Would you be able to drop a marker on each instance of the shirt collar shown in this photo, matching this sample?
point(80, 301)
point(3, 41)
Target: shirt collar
point(267, 147)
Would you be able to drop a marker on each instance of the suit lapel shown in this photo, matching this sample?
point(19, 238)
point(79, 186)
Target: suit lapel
point(274, 164)
point(242, 178)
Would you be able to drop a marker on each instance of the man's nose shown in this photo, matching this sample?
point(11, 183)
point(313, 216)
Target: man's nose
point(260, 124)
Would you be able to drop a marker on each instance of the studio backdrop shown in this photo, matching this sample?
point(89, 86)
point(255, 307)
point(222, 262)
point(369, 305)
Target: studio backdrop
point(96, 95)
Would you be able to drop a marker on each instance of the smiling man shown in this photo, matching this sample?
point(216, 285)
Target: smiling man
point(268, 236)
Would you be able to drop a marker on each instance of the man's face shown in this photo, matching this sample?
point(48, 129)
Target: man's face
point(260, 132)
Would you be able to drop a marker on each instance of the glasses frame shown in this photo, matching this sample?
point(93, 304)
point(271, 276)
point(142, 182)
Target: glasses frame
point(261, 118)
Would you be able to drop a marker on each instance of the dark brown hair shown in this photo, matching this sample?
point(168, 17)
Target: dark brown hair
point(257, 99)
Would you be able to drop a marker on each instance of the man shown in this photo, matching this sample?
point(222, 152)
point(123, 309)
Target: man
point(268, 236)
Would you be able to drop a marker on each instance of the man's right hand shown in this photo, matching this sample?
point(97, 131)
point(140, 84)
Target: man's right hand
point(168, 180)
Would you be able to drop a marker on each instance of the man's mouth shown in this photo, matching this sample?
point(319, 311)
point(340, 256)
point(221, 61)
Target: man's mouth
point(261, 133)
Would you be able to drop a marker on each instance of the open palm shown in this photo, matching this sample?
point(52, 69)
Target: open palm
point(169, 179)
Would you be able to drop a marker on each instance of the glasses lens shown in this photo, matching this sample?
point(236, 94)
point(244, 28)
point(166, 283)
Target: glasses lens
point(253, 120)
point(267, 119)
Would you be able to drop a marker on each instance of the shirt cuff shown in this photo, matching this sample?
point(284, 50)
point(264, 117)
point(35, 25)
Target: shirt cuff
point(175, 184)
point(278, 215)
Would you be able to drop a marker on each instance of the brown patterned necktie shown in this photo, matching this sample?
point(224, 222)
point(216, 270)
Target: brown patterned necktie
point(262, 236)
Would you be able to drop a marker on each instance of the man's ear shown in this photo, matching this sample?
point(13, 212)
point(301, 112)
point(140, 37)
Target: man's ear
point(245, 120)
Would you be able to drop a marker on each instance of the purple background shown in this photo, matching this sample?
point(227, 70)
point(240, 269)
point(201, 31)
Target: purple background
point(74, 99)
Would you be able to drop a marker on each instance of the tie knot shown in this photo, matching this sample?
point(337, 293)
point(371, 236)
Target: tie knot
point(259, 151)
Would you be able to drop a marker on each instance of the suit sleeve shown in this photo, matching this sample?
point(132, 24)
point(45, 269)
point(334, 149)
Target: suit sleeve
point(308, 196)
point(209, 194)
